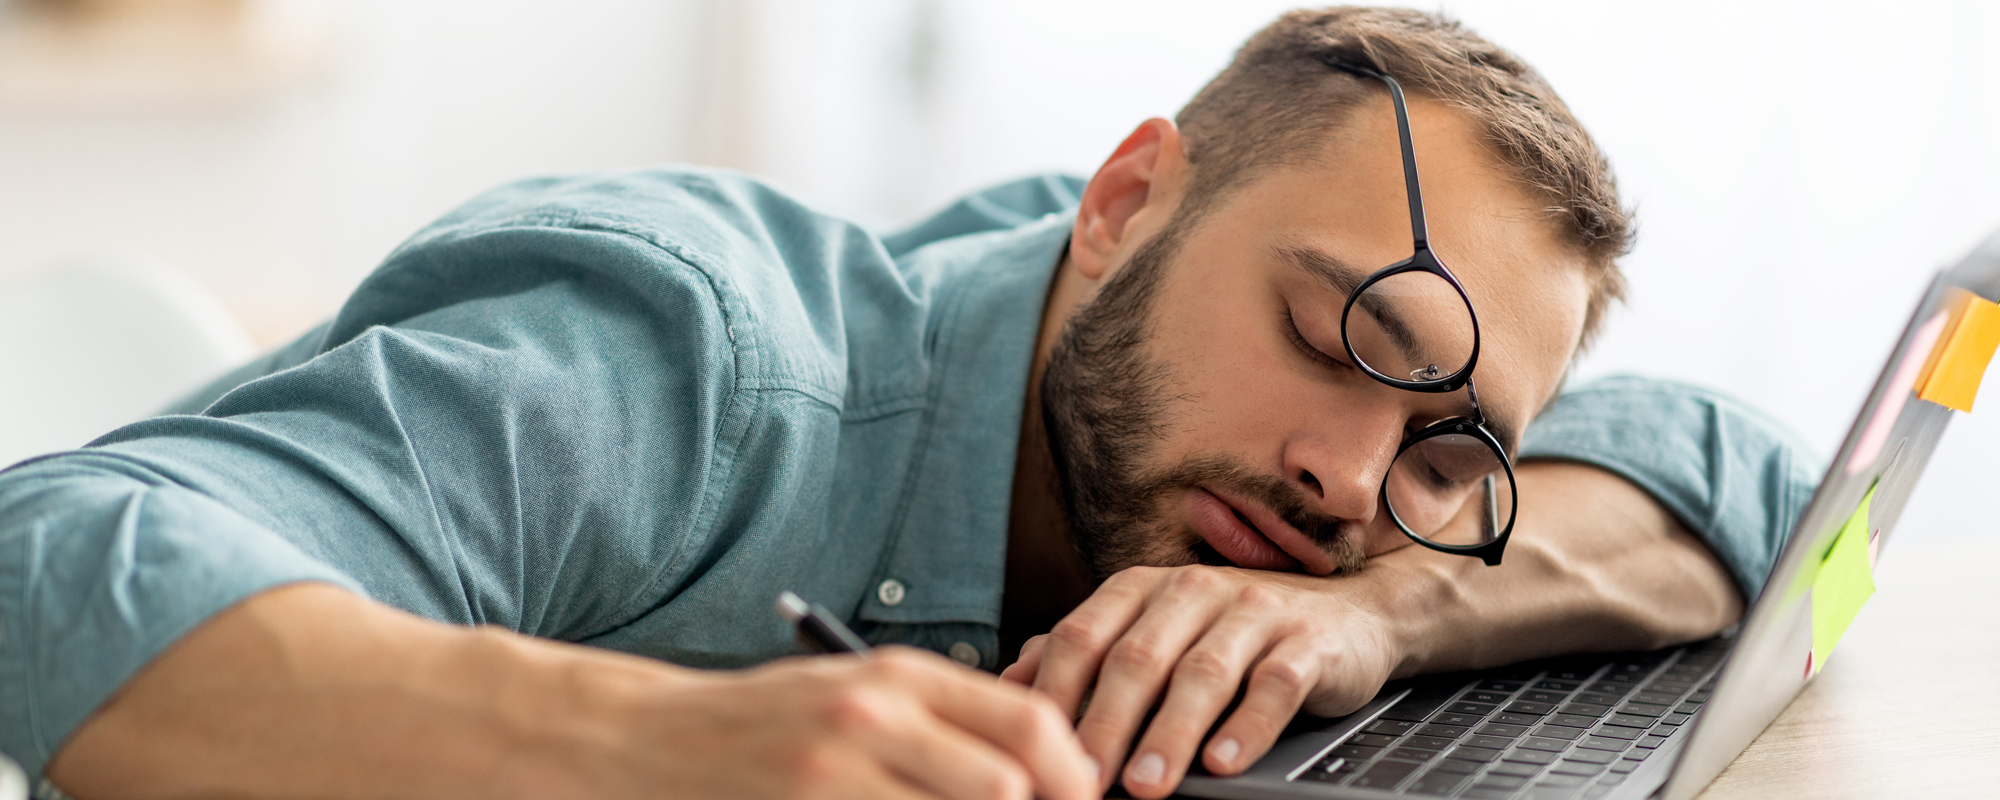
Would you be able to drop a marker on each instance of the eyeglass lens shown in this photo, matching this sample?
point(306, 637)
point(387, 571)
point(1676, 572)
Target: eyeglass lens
point(1451, 489)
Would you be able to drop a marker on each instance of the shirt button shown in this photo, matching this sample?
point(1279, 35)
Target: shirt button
point(965, 653)
point(890, 592)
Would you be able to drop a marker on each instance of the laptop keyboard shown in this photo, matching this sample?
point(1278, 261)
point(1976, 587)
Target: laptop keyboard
point(1545, 731)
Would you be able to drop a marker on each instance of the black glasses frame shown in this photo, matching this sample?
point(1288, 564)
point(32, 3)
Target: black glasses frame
point(1423, 259)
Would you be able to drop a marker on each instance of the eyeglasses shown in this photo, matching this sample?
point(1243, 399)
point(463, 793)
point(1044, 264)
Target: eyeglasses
point(1410, 325)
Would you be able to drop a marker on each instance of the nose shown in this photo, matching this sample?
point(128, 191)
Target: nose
point(1339, 463)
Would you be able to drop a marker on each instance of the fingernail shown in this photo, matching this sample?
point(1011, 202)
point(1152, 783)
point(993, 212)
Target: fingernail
point(1150, 768)
point(1226, 751)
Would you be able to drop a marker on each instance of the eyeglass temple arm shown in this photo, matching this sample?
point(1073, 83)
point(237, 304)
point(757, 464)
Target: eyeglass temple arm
point(1411, 187)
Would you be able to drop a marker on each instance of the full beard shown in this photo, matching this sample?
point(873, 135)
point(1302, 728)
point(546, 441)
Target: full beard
point(1107, 405)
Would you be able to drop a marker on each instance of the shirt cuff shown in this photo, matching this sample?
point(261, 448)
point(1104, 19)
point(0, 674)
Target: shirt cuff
point(99, 573)
point(1732, 475)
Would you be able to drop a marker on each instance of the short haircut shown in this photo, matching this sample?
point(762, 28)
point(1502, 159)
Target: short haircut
point(1279, 103)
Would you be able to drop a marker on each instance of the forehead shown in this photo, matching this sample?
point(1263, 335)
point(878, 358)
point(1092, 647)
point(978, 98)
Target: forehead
point(1528, 286)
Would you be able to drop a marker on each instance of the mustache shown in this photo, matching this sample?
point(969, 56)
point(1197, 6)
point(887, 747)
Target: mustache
point(1333, 534)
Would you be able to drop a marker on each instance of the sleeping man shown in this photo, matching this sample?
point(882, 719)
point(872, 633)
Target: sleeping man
point(1242, 414)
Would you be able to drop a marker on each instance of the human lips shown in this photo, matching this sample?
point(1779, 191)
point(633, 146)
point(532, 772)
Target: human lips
point(1267, 541)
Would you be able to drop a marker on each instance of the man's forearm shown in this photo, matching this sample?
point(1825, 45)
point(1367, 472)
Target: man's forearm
point(1594, 564)
point(311, 690)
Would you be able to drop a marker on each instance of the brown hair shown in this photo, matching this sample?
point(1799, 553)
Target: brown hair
point(1278, 103)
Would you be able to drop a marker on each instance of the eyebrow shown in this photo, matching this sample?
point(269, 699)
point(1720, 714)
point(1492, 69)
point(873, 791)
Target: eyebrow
point(1343, 278)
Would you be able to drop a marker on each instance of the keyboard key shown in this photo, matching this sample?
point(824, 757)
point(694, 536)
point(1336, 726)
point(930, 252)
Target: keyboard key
point(1457, 765)
point(1643, 709)
point(1490, 742)
point(1481, 754)
point(1630, 721)
point(1629, 680)
point(1619, 732)
point(1501, 782)
point(1613, 689)
point(1699, 697)
point(1637, 754)
point(1585, 709)
point(1456, 718)
point(1475, 709)
point(1371, 740)
point(1590, 756)
point(1598, 698)
point(1544, 696)
point(1500, 686)
point(1603, 743)
point(1571, 720)
point(1651, 742)
point(1558, 732)
point(1436, 784)
point(1667, 686)
point(1624, 766)
point(1498, 729)
point(1385, 775)
point(1661, 698)
point(1558, 685)
point(1674, 719)
point(1391, 727)
point(1511, 718)
point(1356, 752)
point(1526, 756)
point(1413, 754)
point(1494, 697)
point(1611, 780)
point(1476, 793)
point(1427, 742)
point(1536, 709)
point(1516, 769)
point(1448, 731)
point(1576, 768)
point(1551, 745)
point(1577, 673)
point(1689, 707)
point(1560, 781)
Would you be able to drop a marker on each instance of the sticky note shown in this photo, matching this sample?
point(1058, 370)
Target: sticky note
point(1845, 582)
point(1923, 342)
point(1951, 377)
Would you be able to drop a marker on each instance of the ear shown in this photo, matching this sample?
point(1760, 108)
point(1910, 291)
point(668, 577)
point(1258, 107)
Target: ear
point(1140, 181)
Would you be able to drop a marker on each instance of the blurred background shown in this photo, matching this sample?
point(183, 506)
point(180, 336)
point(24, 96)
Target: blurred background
point(1799, 169)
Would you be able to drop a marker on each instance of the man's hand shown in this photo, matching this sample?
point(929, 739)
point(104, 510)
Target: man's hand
point(309, 691)
point(1199, 633)
point(1594, 564)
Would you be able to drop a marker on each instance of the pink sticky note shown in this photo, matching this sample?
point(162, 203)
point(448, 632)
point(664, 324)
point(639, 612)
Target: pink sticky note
point(1900, 385)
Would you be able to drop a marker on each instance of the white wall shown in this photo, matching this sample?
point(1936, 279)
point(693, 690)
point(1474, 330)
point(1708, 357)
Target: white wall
point(1799, 168)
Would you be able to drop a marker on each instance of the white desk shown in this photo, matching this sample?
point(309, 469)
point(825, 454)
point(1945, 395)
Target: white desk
point(1909, 703)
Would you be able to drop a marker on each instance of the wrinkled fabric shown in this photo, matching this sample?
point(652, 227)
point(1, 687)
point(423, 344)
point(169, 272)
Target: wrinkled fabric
point(627, 410)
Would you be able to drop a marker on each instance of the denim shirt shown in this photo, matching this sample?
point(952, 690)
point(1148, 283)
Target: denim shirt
point(627, 410)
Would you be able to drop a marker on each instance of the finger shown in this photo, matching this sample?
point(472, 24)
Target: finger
point(1202, 685)
point(1023, 724)
point(935, 754)
point(1077, 644)
point(868, 780)
point(1277, 685)
point(1137, 665)
point(1022, 671)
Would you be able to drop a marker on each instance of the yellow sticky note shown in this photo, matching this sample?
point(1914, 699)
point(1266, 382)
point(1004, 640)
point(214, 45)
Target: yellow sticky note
point(1952, 374)
point(1845, 582)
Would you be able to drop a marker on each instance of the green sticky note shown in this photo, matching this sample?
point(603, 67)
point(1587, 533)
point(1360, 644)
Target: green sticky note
point(1844, 583)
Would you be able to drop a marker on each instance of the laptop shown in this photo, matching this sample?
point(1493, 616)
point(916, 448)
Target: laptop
point(1659, 724)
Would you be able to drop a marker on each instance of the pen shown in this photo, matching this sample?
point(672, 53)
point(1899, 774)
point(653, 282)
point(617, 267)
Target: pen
point(819, 631)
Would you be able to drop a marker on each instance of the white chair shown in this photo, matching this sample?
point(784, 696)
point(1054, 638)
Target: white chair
point(87, 346)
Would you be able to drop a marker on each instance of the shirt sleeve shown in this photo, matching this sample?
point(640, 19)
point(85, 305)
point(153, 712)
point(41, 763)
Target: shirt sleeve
point(527, 440)
point(1734, 476)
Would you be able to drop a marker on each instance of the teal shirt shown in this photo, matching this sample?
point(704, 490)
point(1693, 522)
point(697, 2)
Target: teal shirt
point(626, 410)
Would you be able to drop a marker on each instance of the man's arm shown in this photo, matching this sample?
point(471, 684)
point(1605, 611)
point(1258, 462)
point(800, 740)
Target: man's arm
point(1596, 563)
point(310, 691)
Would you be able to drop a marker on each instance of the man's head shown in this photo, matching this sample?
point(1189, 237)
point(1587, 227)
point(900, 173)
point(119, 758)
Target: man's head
point(1199, 402)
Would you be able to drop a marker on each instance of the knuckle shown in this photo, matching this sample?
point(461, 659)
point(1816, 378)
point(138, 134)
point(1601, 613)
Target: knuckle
point(858, 712)
point(1005, 782)
point(1205, 667)
point(1257, 596)
point(1285, 676)
point(818, 764)
point(1074, 633)
point(1195, 578)
point(1135, 653)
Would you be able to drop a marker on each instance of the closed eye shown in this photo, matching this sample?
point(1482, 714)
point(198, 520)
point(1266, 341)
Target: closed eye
point(1315, 354)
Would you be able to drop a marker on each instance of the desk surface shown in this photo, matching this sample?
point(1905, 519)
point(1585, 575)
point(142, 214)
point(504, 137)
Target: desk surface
point(1907, 705)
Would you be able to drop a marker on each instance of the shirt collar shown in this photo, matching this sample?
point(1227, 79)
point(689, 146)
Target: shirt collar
point(948, 547)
